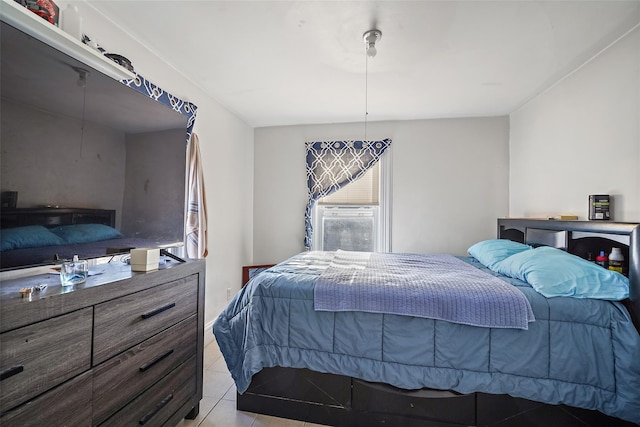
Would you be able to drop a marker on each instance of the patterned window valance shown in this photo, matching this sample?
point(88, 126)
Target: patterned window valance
point(333, 164)
point(185, 108)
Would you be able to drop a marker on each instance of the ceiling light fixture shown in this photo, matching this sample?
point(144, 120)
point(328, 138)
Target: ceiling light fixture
point(371, 37)
point(82, 75)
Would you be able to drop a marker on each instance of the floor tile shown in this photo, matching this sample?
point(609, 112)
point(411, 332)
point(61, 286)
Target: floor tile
point(224, 414)
point(212, 354)
point(231, 394)
point(219, 365)
point(206, 405)
point(216, 384)
point(269, 421)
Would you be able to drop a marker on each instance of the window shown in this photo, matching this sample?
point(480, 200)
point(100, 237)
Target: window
point(348, 227)
point(332, 165)
point(356, 217)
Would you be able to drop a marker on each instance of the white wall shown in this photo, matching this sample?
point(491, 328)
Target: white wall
point(581, 137)
point(450, 183)
point(226, 145)
point(51, 173)
point(154, 194)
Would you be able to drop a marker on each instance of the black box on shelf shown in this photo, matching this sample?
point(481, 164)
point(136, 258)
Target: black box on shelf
point(9, 199)
point(599, 207)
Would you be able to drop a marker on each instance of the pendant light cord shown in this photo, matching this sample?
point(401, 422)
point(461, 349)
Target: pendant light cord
point(366, 94)
point(84, 109)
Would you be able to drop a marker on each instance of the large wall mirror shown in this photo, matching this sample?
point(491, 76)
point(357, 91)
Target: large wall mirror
point(85, 158)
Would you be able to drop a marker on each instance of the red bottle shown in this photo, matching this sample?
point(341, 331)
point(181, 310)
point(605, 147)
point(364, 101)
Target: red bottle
point(602, 259)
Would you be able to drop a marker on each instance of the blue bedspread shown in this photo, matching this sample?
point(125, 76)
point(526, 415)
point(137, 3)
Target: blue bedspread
point(436, 286)
point(580, 352)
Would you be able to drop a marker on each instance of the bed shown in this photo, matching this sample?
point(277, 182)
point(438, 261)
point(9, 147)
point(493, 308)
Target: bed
point(41, 236)
point(291, 359)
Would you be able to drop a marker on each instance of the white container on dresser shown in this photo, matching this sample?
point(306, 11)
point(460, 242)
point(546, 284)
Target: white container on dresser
point(124, 348)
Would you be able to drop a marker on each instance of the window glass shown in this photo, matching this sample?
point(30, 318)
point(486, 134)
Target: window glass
point(352, 218)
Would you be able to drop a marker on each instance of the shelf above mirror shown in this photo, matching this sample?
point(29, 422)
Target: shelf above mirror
point(21, 18)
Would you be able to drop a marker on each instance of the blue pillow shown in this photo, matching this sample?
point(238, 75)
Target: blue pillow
point(85, 233)
point(31, 236)
point(553, 272)
point(490, 252)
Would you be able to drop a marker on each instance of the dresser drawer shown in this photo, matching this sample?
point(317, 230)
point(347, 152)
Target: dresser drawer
point(129, 320)
point(123, 377)
point(68, 404)
point(160, 402)
point(37, 357)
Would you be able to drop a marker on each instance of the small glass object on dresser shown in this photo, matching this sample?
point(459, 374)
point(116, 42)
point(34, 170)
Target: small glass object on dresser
point(74, 272)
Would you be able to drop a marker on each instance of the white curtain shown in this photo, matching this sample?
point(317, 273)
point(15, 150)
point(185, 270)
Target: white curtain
point(196, 227)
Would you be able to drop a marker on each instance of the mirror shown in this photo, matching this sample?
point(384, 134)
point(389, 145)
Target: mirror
point(96, 163)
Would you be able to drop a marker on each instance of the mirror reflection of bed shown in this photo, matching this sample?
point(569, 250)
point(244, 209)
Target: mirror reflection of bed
point(77, 145)
point(41, 236)
point(577, 362)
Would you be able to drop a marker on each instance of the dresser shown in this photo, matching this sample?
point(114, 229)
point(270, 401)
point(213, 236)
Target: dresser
point(124, 348)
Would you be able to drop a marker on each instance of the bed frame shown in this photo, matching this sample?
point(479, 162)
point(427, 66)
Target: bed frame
point(345, 401)
point(52, 217)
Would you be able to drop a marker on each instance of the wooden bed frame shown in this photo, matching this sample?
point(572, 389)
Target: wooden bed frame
point(52, 217)
point(249, 271)
point(345, 401)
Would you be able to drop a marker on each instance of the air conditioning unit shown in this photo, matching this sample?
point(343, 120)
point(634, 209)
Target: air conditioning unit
point(352, 228)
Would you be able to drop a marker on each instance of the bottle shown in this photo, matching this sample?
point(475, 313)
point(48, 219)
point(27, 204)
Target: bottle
point(71, 22)
point(602, 259)
point(616, 260)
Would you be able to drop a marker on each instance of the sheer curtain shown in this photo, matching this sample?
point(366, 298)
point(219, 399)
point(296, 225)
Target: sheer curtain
point(333, 164)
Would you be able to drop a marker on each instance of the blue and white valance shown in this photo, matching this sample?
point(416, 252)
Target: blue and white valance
point(333, 164)
point(185, 108)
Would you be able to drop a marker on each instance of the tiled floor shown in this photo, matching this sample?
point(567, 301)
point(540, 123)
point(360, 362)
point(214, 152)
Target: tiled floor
point(218, 405)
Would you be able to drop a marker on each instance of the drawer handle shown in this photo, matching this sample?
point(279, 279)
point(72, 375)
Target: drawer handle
point(157, 311)
point(11, 372)
point(153, 362)
point(155, 410)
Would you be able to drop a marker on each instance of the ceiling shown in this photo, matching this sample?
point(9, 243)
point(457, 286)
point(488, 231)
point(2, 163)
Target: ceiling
point(303, 62)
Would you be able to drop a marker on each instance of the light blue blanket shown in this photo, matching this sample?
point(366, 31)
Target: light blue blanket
point(580, 352)
point(436, 286)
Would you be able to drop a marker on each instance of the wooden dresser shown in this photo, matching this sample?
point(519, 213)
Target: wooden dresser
point(122, 349)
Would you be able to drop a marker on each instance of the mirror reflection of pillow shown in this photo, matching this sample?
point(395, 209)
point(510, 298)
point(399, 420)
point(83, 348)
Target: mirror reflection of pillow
point(30, 236)
point(553, 272)
point(85, 233)
point(490, 252)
